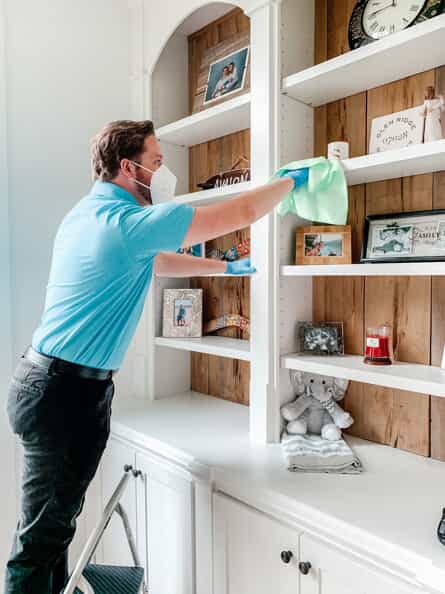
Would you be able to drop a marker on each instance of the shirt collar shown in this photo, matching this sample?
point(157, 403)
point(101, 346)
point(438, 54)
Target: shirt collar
point(110, 190)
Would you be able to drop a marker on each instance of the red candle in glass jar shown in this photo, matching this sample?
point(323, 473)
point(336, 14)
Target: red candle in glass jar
point(378, 347)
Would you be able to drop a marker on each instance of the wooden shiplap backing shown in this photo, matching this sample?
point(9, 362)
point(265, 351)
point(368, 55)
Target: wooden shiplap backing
point(414, 306)
point(218, 376)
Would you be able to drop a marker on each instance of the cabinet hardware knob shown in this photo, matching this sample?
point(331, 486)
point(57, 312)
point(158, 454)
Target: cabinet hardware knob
point(286, 556)
point(304, 567)
point(128, 467)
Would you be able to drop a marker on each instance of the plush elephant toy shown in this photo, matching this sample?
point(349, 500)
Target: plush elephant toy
point(315, 409)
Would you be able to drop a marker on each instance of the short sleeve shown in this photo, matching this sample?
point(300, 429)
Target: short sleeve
point(158, 228)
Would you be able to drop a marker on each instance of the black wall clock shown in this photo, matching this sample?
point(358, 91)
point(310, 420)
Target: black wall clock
point(375, 19)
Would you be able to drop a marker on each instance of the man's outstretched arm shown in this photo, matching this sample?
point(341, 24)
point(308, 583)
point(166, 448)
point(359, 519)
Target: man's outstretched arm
point(183, 265)
point(224, 217)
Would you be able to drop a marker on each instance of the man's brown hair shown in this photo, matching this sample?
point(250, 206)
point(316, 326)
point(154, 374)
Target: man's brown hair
point(122, 139)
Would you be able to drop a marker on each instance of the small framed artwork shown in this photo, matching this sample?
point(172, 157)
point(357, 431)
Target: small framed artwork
point(182, 313)
point(323, 338)
point(227, 75)
point(405, 237)
point(323, 245)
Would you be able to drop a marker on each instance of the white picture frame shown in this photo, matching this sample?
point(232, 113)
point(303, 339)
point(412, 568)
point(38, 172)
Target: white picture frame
point(182, 313)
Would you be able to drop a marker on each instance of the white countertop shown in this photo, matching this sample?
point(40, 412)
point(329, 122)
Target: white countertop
point(391, 510)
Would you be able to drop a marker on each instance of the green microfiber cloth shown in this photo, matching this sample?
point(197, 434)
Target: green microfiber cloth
point(323, 198)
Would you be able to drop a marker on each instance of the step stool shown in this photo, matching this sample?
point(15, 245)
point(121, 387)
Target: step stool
point(89, 578)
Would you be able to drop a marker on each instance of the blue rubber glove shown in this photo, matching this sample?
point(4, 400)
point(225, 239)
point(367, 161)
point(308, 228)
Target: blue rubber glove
point(299, 176)
point(241, 266)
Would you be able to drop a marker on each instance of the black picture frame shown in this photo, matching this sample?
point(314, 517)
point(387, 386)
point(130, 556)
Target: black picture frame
point(395, 216)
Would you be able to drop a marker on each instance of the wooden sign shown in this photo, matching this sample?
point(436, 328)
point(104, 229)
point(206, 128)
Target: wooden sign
point(235, 175)
point(397, 130)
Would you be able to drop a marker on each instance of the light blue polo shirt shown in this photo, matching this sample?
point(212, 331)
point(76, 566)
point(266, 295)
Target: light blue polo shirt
point(101, 269)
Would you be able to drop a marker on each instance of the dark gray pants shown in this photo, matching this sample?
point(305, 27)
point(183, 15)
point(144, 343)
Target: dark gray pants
point(63, 423)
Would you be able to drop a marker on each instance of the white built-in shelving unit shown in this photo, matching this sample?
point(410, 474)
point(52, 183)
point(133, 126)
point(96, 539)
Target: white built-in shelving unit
point(214, 122)
point(412, 377)
point(279, 110)
point(411, 51)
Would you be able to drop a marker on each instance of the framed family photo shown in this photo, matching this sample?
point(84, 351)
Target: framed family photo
point(227, 75)
point(182, 313)
point(405, 237)
point(323, 245)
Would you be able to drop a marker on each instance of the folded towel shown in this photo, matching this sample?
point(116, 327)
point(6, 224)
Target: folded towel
point(311, 453)
point(323, 198)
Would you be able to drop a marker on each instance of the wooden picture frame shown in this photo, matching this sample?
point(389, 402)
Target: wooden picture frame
point(215, 54)
point(313, 242)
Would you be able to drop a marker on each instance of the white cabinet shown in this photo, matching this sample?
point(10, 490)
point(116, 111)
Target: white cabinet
point(247, 551)
point(165, 509)
point(333, 572)
point(114, 545)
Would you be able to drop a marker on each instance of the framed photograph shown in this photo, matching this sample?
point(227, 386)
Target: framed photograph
point(405, 237)
point(227, 75)
point(182, 313)
point(324, 338)
point(397, 130)
point(212, 62)
point(323, 245)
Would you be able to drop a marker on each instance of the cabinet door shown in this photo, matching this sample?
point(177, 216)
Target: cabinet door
point(247, 551)
point(333, 572)
point(115, 549)
point(165, 509)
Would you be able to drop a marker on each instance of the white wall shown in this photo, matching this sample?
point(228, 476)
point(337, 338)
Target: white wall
point(67, 73)
point(7, 490)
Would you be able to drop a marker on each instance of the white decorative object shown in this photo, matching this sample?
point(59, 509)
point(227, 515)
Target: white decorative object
point(397, 130)
point(432, 112)
point(338, 150)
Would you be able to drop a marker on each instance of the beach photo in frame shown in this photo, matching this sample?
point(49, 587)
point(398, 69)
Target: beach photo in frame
point(182, 313)
point(405, 237)
point(322, 244)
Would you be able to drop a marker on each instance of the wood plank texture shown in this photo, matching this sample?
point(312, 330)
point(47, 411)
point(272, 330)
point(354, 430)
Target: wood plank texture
point(413, 306)
point(219, 376)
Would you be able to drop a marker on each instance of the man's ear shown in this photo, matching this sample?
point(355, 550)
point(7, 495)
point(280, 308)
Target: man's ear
point(127, 168)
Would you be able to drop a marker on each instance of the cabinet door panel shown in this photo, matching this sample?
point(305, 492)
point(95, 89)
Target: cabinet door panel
point(165, 498)
point(115, 549)
point(247, 551)
point(334, 572)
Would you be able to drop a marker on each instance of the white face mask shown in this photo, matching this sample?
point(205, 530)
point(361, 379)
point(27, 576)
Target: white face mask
point(163, 183)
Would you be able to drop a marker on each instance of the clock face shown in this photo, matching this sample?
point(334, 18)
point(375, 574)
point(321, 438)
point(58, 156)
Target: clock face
point(382, 17)
point(375, 19)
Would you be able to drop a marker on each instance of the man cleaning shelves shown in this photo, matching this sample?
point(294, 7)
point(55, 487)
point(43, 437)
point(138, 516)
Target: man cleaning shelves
point(105, 252)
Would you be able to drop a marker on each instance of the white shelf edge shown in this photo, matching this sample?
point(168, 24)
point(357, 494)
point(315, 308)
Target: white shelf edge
point(221, 346)
point(416, 49)
point(380, 269)
point(215, 194)
point(412, 377)
point(412, 160)
point(209, 124)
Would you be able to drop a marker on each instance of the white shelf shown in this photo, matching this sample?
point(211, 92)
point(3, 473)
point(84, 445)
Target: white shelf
point(400, 55)
point(412, 160)
point(215, 194)
point(228, 117)
point(390, 269)
point(412, 377)
point(221, 346)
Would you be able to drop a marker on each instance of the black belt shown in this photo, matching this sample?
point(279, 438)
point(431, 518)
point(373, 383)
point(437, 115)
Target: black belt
point(60, 365)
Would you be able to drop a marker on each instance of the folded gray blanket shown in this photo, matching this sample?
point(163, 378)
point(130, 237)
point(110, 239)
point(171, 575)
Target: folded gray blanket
point(311, 453)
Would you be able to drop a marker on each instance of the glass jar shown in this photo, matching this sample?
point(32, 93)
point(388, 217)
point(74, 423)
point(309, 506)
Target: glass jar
point(378, 347)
